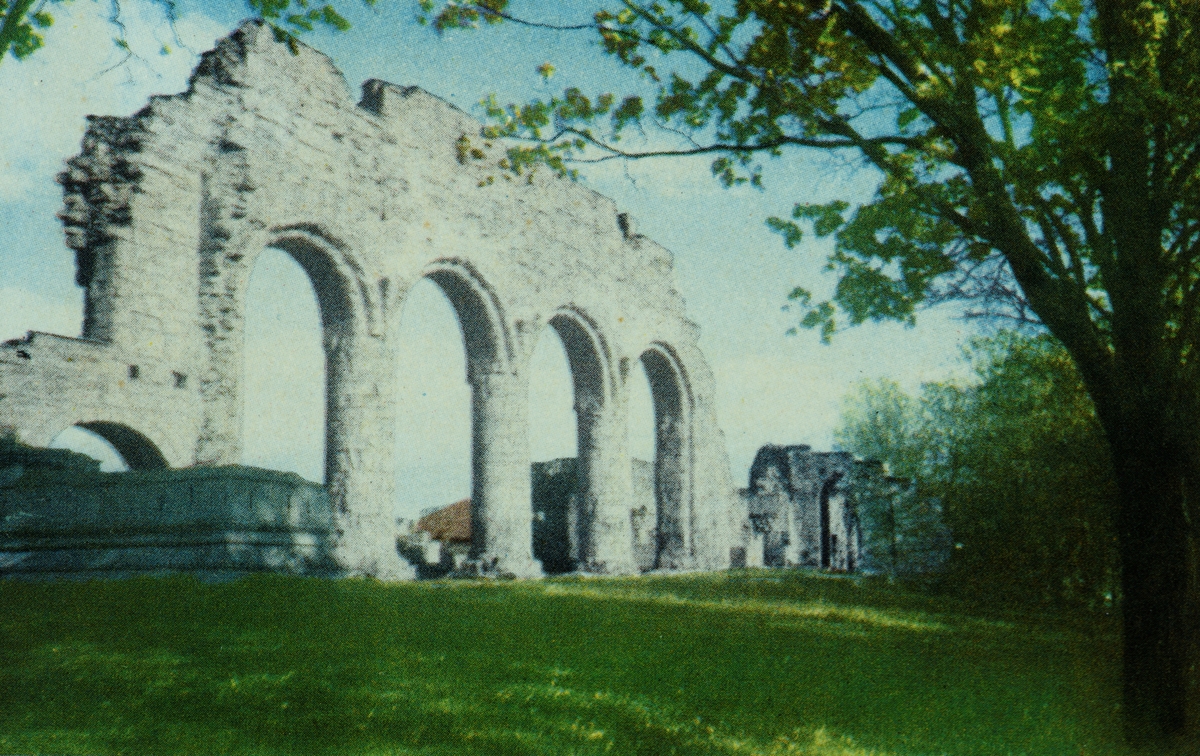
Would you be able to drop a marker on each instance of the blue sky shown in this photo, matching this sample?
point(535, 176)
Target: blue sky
point(732, 271)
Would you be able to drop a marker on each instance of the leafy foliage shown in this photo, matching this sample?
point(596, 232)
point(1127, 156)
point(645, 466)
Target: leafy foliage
point(291, 17)
point(20, 31)
point(1019, 462)
point(22, 20)
point(992, 123)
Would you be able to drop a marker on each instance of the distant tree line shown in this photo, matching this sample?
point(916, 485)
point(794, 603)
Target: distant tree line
point(1017, 463)
point(902, 528)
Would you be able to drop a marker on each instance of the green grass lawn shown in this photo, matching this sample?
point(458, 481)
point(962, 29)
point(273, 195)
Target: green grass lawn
point(748, 662)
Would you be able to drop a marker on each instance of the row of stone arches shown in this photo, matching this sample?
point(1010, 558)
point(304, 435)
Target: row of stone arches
point(372, 200)
point(499, 451)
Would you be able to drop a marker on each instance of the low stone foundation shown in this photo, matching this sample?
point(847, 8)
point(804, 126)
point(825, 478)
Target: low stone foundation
point(213, 522)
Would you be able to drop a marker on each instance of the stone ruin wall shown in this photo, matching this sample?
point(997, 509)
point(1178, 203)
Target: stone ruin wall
point(167, 210)
point(803, 504)
point(830, 510)
point(59, 516)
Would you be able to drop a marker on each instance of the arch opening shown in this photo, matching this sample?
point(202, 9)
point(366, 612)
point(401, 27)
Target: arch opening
point(554, 445)
point(828, 537)
point(328, 284)
point(433, 405)
point(572, 495)
point(498, 507)
point(479, 331)
point(839, 544)
point(288, 330)
point(641, 441)
point(672, 458)
point(116, 447)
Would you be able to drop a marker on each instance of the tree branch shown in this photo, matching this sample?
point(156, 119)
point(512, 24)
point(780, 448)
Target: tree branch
point(705, 149)
point(485, 11)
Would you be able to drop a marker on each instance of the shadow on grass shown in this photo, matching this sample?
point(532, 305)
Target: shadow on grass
point(746, 663)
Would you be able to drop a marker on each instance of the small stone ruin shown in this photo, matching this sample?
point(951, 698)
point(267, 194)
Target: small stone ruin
point(831, 511)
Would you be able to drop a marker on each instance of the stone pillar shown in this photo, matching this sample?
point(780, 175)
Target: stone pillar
point(791, 552)
point(501, 510)
point(360, 455)
point(607, 488)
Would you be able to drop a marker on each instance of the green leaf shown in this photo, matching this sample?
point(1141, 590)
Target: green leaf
point(333, 19)
point(790, 232)
point(826, 219)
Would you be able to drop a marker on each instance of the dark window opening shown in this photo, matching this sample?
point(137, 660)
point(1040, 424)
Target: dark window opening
point(133, 372)
point(737, 557)
point(180, 380)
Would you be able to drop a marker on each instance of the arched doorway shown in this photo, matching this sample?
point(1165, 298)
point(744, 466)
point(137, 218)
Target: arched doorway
point(329, 288)
point(828, 537)
point(586, 521)
point(643, 510)
point(433, 405)
point(553, 452)
point(672, 401)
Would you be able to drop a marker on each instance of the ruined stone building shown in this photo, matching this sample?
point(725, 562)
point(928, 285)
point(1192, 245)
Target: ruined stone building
point(798, 499)
point(439, 541)
point(832, 511)
point(167, 210)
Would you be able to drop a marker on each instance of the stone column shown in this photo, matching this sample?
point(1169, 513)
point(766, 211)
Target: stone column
point(606, 485)
point(360, 455)
point(791, 553)
point(501, 510)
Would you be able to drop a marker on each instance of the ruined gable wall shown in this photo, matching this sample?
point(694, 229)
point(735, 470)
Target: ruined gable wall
point(786, 488)
point(168, 209)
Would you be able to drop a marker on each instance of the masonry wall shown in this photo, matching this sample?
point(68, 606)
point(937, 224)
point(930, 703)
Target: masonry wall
point(802, 502)
point(49, 383)
point(168, 209)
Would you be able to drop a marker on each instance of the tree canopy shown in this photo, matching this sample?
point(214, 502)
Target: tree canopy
point(1018, 463)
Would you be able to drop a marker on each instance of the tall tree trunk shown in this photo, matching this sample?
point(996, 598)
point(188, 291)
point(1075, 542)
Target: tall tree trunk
point(1160, 602)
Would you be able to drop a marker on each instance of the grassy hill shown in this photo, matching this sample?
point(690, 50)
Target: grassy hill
point(748, 662)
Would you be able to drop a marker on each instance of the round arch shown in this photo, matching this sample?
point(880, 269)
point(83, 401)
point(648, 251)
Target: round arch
point(332, 275)
point(485, 331)
point(319, 259)
point(588, 354)
point(135, 448)
point(501, 511)
point(671, 395)
point(590, 527)
point(828, 539)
